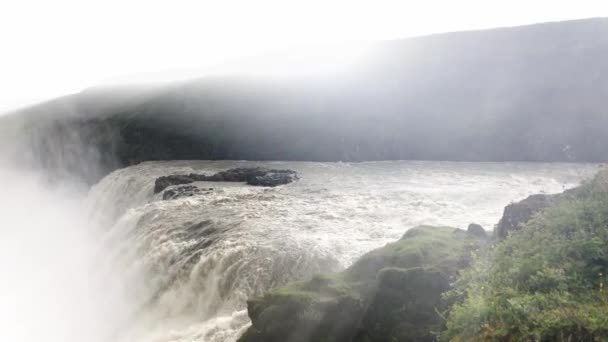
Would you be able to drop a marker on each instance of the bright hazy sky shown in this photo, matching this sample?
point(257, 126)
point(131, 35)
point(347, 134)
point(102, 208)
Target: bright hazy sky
point(55, 47)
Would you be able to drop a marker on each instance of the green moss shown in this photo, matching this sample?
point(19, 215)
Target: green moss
point(442, 247)
point(390, 294)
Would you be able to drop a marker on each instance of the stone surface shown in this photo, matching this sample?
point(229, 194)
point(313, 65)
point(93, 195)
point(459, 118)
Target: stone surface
point(393, 293)
point(251, 175)
point(184, 191)
point(516, 214)
point(476, 229)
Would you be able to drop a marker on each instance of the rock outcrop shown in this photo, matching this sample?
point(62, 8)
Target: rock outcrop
point(164, 182)
point(253, 176)
point(273, 178)
point(476, 229)
point(516, 214)
point(393, 293)
point(184, 191)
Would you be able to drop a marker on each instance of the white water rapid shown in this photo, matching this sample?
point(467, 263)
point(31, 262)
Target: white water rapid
point(121, 264)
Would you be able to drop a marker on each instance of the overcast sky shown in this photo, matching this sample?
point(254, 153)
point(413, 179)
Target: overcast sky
point(50, 48)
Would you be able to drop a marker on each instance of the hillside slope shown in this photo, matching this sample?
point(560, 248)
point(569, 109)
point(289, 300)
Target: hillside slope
point(531, 93)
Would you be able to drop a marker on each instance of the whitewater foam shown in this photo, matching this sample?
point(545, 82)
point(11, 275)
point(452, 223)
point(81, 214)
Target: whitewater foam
point(191, 263)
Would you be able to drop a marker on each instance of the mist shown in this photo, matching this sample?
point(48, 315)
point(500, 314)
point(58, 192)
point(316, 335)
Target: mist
point(334, 192)
point(50, 290)
point(55, 286)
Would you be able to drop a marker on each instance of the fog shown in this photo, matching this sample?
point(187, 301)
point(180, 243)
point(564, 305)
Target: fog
point(386, 135)
point(60, 47)
point(53, 287)
point(467, 96)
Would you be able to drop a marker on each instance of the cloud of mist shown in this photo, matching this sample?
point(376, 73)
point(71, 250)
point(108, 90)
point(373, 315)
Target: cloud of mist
point(50, 289)
point(64, 46)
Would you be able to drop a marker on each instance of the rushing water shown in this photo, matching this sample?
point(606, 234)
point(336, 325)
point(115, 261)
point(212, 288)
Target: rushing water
point(187, 266)
point(121, 264)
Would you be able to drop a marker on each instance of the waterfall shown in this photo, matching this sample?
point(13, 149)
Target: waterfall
point(191, 263)
point(119, 263)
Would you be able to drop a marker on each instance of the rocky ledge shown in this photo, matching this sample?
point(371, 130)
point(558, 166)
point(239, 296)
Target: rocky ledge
point(184, 191)
point(391, 294)
point(258, 176)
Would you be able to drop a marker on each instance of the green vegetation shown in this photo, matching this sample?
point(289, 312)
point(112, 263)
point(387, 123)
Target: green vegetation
point(544, 282)
point(390, 294)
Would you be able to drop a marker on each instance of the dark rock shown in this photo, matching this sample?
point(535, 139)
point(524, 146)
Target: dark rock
point(255, 176)
point(405, 301)
point(296, 317)
point(273, 178)
point(164, 182)
point(240, 174)
point(252, 176)
point(184, 191)
point(476, 230)
point(202, 229)
point(393, 293)
point(516, 214)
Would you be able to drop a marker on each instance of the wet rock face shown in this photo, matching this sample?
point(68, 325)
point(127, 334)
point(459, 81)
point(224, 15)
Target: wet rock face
point(253, 176)
point(476, 230)
point(273, 178)
point(164, 182)
point(393, 293)
point(405, 301)
point(239, 174)
point(184, 191)
point(516, 214)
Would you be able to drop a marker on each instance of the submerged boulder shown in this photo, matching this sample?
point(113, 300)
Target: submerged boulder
point(184, 191)
point(164, 182)
point(255, 176)
point(393, 293)
point(239, 174)
point(273, 178)
point(251, 175)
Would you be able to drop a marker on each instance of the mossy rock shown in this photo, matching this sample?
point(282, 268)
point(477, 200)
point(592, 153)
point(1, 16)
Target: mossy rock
point(405, 305)
point(393, 293)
